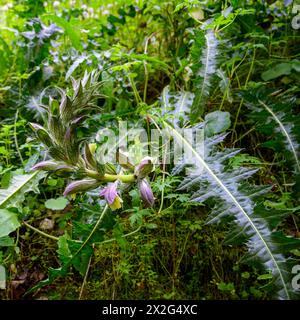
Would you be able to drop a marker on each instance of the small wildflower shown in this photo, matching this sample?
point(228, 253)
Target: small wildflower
point(110, 193)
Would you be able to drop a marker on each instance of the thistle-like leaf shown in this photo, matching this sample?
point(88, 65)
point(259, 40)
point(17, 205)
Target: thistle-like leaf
point(204, 57)
point(177, 104)
point(210, 178)
point(274, 117)
point(20, 184)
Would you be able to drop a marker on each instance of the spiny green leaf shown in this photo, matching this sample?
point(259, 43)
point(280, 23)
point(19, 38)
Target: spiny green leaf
point(210, 179)
point(14, 195)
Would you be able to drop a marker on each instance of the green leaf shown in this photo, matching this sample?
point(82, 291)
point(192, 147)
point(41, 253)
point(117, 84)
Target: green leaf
point(285, 131)
point(6, 241)
point(226, 286)
point(204, 57)
point(81, 256)
point(5, 179)
point(73, 253)
point(296, 65)
point(217, 122)
point(56, 204)
point(14, 195)
point(63, 250)
point(265, 276)
point(277, 71)
point(210, 178)
point(246, 275)
point(75, 65)
point(8, 222)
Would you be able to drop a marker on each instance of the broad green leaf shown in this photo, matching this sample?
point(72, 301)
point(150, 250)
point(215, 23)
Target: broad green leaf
point(5, 179)
point(63, 250)
point(81, 256)
point(14, 195)
point(72, 253)
point(8, 222)
point(56, 204)
point(217, 122)
point(279, 70)
point(296, 65)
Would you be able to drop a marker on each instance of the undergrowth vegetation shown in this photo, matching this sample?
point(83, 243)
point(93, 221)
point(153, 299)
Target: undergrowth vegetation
point(149, 149)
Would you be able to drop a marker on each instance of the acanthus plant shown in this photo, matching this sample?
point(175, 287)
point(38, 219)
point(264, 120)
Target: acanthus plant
point(79, 160)
point(209, 179)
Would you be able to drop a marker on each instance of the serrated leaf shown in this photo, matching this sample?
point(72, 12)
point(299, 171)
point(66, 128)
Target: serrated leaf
point(8, 222)
point(80, 260)
point(56, 204)
point(286, 133)
point(14, 195)
point(204, 55)
point(178, 104)
point(63, 250)
point(210, 179)
point(275, 117)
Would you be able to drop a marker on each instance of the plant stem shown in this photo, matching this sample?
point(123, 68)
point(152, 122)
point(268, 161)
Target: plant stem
point(85, 277)
point(16, 138)
point(40, 232)
point(126, 178)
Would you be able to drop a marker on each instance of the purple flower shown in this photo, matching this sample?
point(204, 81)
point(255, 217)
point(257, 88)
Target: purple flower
point(146, 192)
point(110, 193)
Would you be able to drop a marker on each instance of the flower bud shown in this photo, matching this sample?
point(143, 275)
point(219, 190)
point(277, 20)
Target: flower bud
point(45, 165)
point(146, 192)
point(59, 168)
point(80, 186)
point(144, 168)
point(123, 160)
point(42, 134)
